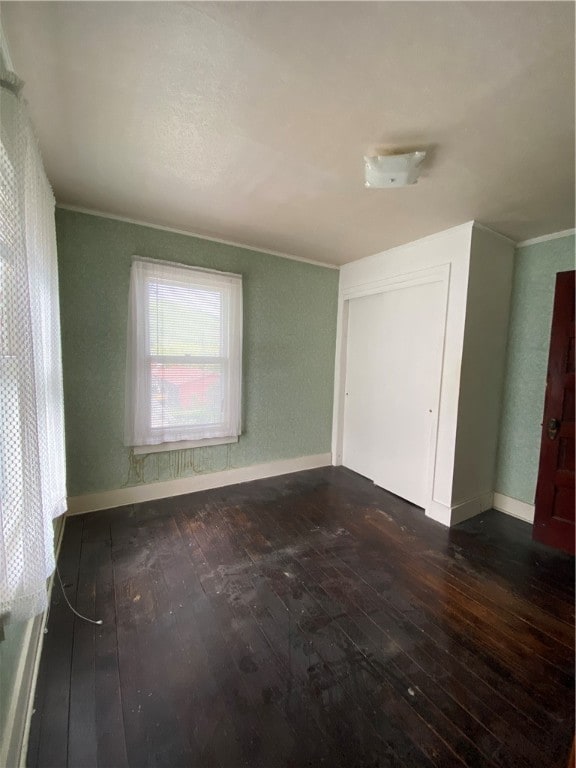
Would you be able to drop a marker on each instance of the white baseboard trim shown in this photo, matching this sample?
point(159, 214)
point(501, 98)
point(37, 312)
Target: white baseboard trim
point(457, 513)
point(14, 747)
point(471, 508)
point(78, 505)
point(514, 507)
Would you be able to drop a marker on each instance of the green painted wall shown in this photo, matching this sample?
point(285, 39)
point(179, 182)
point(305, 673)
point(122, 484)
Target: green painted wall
point(528, 341)
point(288, 368)
point(11, 649)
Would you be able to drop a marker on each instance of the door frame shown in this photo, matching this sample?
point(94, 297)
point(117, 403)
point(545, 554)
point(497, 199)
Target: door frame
point(437, 274)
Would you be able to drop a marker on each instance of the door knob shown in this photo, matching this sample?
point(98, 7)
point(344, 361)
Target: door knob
point(553, 427)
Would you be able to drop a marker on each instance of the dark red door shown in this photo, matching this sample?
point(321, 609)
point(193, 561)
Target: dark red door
point(554, 514)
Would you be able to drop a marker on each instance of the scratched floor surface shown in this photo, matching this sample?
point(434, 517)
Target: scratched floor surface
point(308, 620)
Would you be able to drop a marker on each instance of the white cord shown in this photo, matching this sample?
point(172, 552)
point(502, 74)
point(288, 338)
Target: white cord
point(74, 611)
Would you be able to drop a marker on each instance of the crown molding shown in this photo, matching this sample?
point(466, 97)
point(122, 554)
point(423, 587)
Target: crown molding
point(188, 233)
point(544, 238)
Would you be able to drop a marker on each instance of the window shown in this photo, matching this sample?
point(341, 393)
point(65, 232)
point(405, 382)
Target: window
point(32, 462)
point(184, 357)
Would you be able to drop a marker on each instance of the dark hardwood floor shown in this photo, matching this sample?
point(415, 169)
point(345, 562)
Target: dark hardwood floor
point(306, 620)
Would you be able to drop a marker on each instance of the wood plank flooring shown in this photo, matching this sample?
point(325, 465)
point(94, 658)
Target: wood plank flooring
point(306, 620)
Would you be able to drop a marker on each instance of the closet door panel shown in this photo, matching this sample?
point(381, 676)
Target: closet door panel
point(394, 356)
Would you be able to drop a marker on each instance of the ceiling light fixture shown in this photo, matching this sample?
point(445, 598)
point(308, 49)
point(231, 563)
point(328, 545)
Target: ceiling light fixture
point(384, 171)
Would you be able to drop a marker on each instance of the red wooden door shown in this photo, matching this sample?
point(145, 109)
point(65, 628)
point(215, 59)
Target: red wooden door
point(554, 514)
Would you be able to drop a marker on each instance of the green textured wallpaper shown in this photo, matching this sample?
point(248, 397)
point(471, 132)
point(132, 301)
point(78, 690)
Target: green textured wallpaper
point(10, 650)
point(288, 357)
point(528, 340)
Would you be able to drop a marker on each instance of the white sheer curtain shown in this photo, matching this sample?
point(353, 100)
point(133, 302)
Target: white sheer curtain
point(184, 354)
point(32, 460)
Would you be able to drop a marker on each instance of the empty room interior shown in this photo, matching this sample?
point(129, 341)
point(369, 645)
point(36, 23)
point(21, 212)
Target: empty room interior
point(287, 384)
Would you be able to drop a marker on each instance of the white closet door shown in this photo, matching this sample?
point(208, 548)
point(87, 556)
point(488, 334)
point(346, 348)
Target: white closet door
point(394, 357)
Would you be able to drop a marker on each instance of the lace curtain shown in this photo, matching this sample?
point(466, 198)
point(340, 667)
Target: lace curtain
point(32, 462)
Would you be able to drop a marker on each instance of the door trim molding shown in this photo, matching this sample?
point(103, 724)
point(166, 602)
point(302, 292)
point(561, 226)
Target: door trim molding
point(396, 282)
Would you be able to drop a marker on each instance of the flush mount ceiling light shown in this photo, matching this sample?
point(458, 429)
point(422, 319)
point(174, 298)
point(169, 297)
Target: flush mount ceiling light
point(392, 170)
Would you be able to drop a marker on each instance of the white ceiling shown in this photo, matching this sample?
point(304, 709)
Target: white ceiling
point(248, 121)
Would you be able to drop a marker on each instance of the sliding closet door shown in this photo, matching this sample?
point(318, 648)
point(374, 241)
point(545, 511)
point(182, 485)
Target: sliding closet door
point(394, 355)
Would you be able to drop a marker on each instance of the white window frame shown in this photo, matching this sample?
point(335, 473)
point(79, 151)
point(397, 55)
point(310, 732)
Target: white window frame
point(139, 432)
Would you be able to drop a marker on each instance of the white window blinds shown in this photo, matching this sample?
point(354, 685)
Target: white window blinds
point(184, 354)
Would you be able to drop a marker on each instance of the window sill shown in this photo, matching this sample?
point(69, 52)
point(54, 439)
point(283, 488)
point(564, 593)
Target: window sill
point(182, 445)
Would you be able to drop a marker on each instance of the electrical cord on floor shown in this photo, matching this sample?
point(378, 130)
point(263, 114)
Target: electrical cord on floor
point(74, 611)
